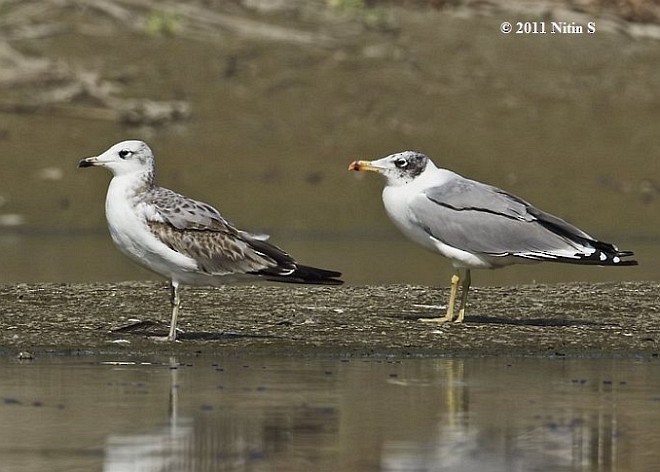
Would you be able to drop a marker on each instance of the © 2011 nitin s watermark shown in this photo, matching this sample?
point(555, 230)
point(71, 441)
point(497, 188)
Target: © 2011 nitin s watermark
point(548, 27)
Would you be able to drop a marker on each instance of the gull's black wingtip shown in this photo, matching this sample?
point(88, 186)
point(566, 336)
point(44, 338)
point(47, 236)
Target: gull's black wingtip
point(616, 258)
point(607, 254)
point(305, 275)
point(627, 263)
point(314, 275)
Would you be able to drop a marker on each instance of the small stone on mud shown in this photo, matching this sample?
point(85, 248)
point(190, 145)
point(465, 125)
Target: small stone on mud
point(24, 356)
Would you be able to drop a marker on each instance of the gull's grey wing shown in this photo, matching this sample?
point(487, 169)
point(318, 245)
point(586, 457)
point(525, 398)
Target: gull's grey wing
point(483, 219)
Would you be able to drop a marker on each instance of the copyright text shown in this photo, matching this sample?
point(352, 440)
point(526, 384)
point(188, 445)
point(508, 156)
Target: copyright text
point(548, 27)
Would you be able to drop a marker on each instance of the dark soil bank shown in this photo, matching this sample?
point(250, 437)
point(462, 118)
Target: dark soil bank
point(610, 319)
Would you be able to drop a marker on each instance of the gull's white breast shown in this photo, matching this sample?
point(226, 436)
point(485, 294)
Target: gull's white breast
point(127, 221)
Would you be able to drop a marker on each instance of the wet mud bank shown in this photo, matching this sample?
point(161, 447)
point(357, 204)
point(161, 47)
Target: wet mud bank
point(607, 319)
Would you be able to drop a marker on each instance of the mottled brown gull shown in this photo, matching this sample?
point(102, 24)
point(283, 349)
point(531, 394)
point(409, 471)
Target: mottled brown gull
point(182, 239)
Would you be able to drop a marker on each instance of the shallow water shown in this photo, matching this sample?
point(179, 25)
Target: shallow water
point(255, 413)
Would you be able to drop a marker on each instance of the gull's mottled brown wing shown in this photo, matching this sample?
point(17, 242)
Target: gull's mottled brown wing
point(197, 230)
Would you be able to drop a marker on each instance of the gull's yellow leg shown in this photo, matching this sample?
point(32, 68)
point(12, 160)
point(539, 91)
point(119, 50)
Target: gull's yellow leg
point(465, 288)
point(455, 279)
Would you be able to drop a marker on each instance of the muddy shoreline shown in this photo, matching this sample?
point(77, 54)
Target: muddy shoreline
point(605, 319)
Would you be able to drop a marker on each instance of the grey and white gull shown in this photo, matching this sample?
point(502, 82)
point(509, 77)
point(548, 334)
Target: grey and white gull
point(182, 239)
point(477, 226)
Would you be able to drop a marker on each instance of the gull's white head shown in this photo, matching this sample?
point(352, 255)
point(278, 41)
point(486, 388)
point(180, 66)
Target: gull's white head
point(127, 157)
point(399, 168)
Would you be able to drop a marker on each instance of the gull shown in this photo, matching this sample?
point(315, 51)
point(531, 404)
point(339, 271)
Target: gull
point(477, 226)
point(184, 240)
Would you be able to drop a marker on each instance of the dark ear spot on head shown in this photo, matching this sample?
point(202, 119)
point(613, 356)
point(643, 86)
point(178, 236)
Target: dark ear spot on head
point(416, 164)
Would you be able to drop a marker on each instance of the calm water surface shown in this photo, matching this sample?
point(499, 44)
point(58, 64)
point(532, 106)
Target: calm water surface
point(254, 414)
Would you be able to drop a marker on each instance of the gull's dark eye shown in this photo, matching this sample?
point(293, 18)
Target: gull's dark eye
point(401, 163)
point(124, 153)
